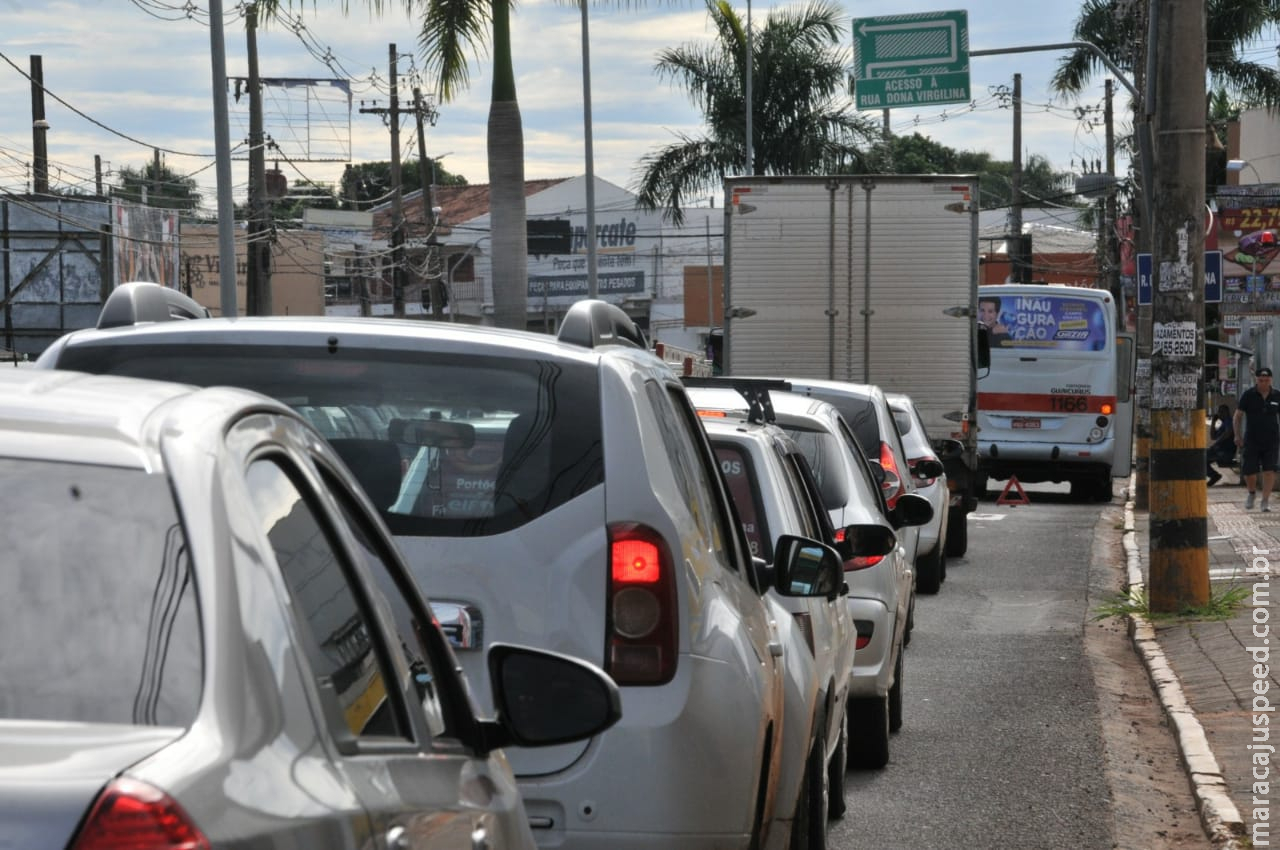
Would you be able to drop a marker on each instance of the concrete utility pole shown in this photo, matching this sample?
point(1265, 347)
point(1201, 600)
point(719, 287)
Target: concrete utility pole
point(1110, 244)
point(397, 209)
point(222, 150)
point(1145, 74)
point(435, 280)
point(1018, 263)
point(39, 129)
point(1179, 536)
point(258, 252)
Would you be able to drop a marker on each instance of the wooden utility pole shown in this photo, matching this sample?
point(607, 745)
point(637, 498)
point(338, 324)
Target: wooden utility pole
point(39, 129)
point(1179, 526)
point(1019, 263)
point(392, 114)
point(258, 251)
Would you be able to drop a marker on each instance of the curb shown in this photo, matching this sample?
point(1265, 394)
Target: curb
point(1218, 814)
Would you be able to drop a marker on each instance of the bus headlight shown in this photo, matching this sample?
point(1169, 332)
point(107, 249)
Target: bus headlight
point(1095, 435)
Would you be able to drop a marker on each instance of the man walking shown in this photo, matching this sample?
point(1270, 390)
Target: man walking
point(1259, 410)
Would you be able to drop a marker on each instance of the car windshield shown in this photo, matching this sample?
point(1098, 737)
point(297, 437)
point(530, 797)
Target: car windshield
point(444, 445)
point(101, 622)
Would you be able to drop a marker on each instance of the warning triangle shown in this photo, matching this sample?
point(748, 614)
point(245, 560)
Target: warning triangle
point(1020, 499)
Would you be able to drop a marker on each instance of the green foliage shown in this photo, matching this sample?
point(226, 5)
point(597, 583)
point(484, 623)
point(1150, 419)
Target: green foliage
point(165, 189)
point(1221, 606)
point(369, 183)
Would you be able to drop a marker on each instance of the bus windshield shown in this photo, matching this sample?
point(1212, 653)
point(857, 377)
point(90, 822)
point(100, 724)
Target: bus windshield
point(1048, 321)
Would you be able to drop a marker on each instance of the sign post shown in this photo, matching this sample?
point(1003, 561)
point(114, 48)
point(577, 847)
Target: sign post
point(911, 60)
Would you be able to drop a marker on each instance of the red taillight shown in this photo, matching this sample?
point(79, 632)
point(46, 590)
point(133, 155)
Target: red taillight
point(642, 624)
point(861, 562)
point(132, 815)
point(864, 629)
point(923, 482)
point(892, 485)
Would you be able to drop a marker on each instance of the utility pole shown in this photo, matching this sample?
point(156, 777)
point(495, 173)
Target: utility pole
point(258, 252)
point(1145, 75)
point(1179, 525)
point(97, 174)
point(1019, 264)
point(1110, 244)
point(434, 279)
point(39, 128)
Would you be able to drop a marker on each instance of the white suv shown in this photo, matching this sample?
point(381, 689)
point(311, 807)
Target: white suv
point(558, 493)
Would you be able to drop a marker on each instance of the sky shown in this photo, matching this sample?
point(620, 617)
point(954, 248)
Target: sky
point(139, 73)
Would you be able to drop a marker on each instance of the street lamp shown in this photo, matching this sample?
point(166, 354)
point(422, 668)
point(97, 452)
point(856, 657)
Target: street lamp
point(1235, 166)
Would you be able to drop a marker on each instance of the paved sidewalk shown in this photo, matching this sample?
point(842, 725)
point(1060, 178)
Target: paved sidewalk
point(1207, 679)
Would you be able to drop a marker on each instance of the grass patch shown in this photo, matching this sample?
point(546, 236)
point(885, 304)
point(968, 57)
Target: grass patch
point(1219, 607)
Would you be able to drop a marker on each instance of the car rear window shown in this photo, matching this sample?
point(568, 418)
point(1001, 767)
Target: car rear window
point(822, 450)
point(443, 444)
point(740, 477)
point(860, 413)
point(101, 622)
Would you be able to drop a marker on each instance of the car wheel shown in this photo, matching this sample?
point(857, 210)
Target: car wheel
point(835, 773)
point(869, 732)
point(929, 571)
point(809, 825)
point(957, 534)
point(1102, 491)
point(980, 486)
point(895, 696)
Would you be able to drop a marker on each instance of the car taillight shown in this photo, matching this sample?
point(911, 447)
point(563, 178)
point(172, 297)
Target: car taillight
point(865, 629)
point(923, 482)
point(132, 815)
point(642, 626)
point(892, 484)
point(861, 562)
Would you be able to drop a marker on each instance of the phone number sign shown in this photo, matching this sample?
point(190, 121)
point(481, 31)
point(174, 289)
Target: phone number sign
point(1175, 340)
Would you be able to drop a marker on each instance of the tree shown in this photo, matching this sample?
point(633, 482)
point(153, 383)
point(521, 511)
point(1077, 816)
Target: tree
point(367, 184)
point(451, 29)
point(1232, 25)
point(166, 188)
point(802, 116)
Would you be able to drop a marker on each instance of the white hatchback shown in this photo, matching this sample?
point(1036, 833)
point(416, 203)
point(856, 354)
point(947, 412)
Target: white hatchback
point(931, 555)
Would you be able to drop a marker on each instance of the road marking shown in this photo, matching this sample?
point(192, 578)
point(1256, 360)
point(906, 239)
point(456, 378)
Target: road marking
point(987, 516)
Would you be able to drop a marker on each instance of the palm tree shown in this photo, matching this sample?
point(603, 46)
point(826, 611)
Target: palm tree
point(802, 116)
point(451, 29)
point(1232, 25)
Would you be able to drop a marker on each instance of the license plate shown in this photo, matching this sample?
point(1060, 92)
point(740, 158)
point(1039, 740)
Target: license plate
point(1025, 424)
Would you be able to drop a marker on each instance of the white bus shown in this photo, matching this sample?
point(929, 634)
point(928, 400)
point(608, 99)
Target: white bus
point(1055, 404)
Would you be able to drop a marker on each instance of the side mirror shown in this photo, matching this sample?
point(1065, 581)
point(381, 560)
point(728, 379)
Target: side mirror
point(928, 468)
point(911, 509)
point(804, 567)
point(948, 448)
point(544, 698)
point(868, 540)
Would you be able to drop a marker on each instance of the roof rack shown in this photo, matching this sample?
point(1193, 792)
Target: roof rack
point(142, 301)
point(754, 390)
point(592, 323)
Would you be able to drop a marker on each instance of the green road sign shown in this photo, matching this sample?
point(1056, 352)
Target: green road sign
point(911, 60)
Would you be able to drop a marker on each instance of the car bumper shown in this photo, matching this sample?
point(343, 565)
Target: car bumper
point(873, 664)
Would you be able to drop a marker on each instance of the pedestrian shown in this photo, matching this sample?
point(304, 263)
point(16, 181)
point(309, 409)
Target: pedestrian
point(1222, 444)
point(1259, 412)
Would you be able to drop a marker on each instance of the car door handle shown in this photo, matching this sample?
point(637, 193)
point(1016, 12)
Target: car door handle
point(397, 838)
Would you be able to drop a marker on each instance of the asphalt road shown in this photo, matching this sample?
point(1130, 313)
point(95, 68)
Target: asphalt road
point(1001, 744)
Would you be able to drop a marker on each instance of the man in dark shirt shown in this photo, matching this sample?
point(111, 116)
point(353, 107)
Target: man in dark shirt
point(1259, 411)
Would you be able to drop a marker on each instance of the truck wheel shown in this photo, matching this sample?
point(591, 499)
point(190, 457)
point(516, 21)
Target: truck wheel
point(929, 571)
point(869, 732)
point(957, 534)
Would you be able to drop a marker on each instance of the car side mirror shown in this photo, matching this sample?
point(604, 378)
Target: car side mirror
point(911, 509)
point(805, 567)
point(544, 698)
point(927, 468)
point(869, 540)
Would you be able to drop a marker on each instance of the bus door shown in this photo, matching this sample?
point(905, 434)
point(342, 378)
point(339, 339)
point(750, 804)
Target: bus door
point(1126, 365)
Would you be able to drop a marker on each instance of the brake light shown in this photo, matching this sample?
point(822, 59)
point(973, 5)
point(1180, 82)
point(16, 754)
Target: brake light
point(892, 485)
point(865, 629)
point(130, 815)
point(923, 482)
point(861, 562)
point(642, 624)
point(712, 414)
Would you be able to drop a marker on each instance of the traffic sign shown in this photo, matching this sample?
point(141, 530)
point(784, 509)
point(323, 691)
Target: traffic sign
point(1212, 278)
point(911, 60)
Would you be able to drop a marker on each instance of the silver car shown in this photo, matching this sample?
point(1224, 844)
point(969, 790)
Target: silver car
point(210, 641)
point(931, 560)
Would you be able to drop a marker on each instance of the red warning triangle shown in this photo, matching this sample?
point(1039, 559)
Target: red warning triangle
point(1020, 499)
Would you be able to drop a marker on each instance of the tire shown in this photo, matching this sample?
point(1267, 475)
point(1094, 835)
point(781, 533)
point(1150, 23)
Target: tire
point(1102, 489)
point(929, 571)
point(836, 768)
point(869, 732)
point(980, 486)
point(911, 622)
point(809, 823)
point(957, 533)
point(895, 697)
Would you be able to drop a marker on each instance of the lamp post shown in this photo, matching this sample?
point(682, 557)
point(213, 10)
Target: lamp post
point(1235, 166)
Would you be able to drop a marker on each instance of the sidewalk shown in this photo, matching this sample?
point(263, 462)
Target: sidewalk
point(1205, 676)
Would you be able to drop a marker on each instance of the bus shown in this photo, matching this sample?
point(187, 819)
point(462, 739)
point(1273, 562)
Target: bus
point(1055, 404)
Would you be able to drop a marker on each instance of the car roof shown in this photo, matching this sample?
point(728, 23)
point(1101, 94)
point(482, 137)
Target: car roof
point(102, 419)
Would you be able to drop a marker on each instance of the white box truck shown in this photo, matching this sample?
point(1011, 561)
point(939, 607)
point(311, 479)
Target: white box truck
point(870, 279)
